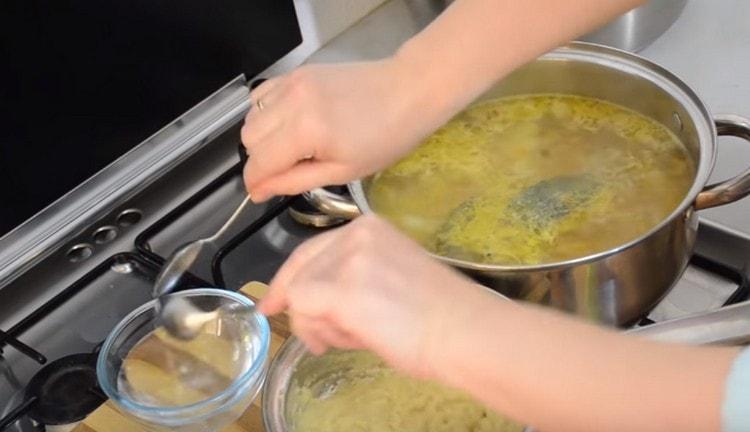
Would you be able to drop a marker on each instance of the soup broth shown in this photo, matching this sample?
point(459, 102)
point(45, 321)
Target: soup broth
point(535, 179)
point(345, 391)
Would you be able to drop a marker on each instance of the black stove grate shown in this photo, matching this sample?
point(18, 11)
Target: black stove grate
point(17, 413)
point(143, 257)
point(7, 339)
point(142, 241)
point(66, 370)
point(275, 208)
point(274, 211)
point(10, 337)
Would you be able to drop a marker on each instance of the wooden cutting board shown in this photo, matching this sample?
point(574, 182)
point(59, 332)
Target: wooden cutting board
point(108, 419)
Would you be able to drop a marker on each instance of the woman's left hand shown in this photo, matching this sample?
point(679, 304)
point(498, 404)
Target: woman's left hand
point(368, 286)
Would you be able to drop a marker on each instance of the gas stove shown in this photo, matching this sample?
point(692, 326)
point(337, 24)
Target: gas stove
point(59, 304)
point(48, 379)
point(46, 364)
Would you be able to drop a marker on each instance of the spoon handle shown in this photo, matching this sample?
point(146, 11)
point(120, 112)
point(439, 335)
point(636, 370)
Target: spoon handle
point(232, 219)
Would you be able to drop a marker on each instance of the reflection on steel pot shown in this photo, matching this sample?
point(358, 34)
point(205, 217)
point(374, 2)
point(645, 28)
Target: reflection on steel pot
point(620, 285)
point(637, 28)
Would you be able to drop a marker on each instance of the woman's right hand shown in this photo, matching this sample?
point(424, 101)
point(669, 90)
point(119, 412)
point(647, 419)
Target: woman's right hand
point(367, 286)
point(329, 124)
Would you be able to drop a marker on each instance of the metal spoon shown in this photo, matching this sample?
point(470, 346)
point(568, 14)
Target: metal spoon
point(178, 315)
point(184, 320)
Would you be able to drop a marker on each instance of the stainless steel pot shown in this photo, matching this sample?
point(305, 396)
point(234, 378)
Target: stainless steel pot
point(637, 28)
point(620, 285)
point(730, 325)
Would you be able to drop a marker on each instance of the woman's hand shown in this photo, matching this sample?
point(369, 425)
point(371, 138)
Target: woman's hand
point(329, 124)
point(367, 286)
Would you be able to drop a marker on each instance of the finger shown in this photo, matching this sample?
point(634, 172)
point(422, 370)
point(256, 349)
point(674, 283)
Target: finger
point(320, 302)
point(303, 176)
point(302, 255)
point(321, 331)
point(325, 333)
point(275, 301)
point(275, 154)
point(336, 337)
point(264, 89)
point(257, 128)
point(316, 296)
point(295, 287)
point(304, 329)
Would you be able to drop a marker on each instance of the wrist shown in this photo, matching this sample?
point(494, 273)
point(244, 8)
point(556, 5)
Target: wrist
point(423, 77)
point(422, 98)
point(455, 332)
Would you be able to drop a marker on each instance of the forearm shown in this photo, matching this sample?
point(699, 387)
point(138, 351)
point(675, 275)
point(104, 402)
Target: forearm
point(476, 42)
point(564, 375)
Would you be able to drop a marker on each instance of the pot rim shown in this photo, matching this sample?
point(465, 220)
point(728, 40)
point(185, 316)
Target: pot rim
point(634, 64)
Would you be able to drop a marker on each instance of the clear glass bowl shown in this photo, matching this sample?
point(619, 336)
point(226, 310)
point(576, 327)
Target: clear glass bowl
point(195, 386)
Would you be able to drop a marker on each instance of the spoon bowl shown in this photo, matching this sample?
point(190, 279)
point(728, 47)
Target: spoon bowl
point(184, 319)
point(178, 315)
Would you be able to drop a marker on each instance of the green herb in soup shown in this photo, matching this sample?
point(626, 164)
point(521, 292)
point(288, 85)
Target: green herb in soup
point(535, 179)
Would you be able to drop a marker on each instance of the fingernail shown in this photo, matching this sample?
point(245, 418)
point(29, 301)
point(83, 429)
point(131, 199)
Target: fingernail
point(253, 196)
point(263, 308)
point(258, 198)
point(317, 350)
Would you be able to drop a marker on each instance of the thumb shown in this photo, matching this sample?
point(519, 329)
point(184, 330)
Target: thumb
point(301, 177)
point(274, 302)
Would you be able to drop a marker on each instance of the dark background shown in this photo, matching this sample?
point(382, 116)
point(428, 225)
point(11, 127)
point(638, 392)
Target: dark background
point(82, 82)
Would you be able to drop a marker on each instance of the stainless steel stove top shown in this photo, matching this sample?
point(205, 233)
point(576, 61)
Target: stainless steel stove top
point(75, 293)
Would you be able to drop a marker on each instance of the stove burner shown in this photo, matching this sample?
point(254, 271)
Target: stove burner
point(306, 214)
point(66, 390)
point(61, 393)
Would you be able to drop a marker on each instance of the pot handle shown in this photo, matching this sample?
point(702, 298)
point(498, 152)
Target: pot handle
point(737, 187)
point(332, 204)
